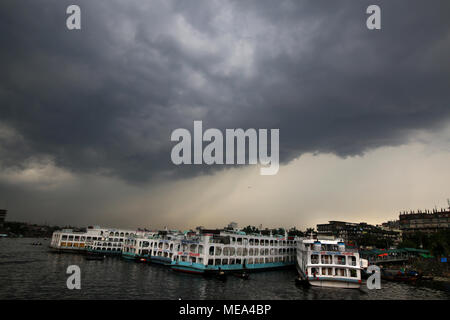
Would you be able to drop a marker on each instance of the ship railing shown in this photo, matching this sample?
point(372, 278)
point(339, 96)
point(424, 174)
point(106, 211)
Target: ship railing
point(332, 251)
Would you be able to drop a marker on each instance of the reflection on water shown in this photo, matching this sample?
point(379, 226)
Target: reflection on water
point(32, 272)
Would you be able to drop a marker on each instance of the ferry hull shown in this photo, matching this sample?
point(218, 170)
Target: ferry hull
point(160, 260)
point(66, 250)
point(105, 252)
point(202, 269)
point(328, 283)
point(129, 256)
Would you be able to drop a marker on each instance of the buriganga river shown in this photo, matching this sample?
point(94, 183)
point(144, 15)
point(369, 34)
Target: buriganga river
point(33, 272)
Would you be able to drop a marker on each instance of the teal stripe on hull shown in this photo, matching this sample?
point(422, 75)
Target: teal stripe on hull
point(129, 255)
point(160, 260)
point(200, 268)
point(116, 253)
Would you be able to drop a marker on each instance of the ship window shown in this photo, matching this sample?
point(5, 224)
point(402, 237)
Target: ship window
point(64, 237)
point(211, 250)
point(224, 261)
point(314, 259)
point(352, 261)
point(218, 251)
point(218, 262)
point(326, 259)
point(339, 272)
point(353, 273)
point(231, 261)
point(340, 260)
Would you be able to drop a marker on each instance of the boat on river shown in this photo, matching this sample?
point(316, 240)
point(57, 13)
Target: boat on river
point(232, 251)
point(328, 263)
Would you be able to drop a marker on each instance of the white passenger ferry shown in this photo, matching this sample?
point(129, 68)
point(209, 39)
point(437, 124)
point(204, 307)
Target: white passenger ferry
point(95, 240)
point(157, 247)
point(328, 263)
point(222, 250)
point(150, 247)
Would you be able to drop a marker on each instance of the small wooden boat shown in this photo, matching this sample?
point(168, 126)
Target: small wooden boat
point(400, 275)
point(95, 257)
point(242, 275)
point(221, 276)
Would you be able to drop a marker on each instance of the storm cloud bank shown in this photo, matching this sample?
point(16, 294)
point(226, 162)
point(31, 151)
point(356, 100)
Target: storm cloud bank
point(105, 99)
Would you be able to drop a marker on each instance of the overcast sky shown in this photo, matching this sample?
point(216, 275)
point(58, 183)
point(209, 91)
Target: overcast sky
point(86, 116)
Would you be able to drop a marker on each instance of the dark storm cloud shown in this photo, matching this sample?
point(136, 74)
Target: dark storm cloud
point(106, 98)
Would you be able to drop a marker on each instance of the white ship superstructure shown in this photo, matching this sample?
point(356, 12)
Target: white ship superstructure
point(95, 239)
point(222, 250)
point(206, 251)
point(328, 263)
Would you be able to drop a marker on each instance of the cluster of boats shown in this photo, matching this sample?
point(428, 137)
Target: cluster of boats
point(320, 262)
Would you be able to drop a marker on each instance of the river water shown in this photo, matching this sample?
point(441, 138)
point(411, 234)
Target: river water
point(33, 272)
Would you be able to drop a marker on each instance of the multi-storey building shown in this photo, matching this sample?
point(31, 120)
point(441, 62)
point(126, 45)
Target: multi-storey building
point(354, 232)
point(424, 221)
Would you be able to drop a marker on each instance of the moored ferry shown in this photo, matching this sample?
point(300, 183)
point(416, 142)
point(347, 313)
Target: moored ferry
point(328, 263)
point(138, 247)
point(94, 239)
point(212, 251)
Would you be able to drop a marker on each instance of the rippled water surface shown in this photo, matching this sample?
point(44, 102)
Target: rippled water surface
point(32, 272)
